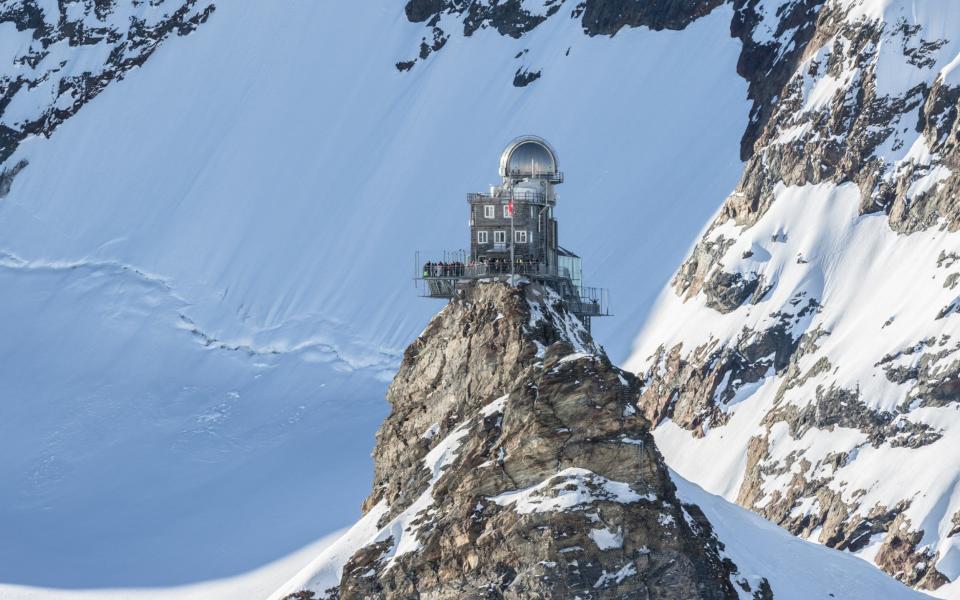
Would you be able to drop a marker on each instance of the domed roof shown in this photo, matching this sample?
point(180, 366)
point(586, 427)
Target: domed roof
point(529, 157)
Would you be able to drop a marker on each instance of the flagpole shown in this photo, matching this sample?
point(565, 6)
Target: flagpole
point(513, 280)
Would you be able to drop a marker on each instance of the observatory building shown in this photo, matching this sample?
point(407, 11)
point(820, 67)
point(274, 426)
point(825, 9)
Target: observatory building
point(514, 235)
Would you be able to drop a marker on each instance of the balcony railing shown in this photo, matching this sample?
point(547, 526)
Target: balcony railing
point(441, 279)
point(458, 269)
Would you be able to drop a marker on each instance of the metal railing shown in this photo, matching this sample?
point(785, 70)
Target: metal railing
point(554, 177)
point(592, 301)
point(519, 195)
point(446, 270)
point(441, 279)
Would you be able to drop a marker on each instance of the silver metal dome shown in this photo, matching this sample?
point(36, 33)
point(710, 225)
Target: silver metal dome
point(530, 157)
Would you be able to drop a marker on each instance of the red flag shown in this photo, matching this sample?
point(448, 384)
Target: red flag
point(510, 206)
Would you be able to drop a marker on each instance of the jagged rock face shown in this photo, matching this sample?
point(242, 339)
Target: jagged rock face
point(842, 115)
point(73, 53)
point(855, 106)
point(838, 382)
point(860, 96)
point(516, 17)
point(514, 465)
point(869, 100)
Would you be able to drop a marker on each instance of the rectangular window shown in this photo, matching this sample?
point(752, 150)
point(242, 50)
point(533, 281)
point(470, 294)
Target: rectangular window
point(506, 211)
point(483, 237)
point(499, 237)
point(520, 237)
point(488, 211)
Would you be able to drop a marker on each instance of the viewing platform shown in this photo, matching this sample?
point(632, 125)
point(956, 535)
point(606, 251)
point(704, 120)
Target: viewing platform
point(441, 279)
point(517, 194)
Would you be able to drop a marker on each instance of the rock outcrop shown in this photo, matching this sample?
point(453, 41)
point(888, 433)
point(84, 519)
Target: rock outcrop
point(74, 51)
point(865, 111)
point(514, 465)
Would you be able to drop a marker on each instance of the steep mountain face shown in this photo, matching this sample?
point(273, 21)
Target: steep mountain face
point(807, 345)
point(514, 465)
point(73, 51)
point(206, 268)
point(773, 35)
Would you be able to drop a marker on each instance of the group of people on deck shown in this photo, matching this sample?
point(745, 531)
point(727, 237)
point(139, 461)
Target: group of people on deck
point(482, 266)
point(443, 269)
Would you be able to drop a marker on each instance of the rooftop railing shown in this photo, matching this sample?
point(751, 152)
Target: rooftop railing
point(554, 177)
point(519, 195)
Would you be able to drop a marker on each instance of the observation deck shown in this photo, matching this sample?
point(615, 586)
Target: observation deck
point(443, 278)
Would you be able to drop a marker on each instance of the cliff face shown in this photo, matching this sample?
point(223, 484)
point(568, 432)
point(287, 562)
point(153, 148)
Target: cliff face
point(514, 465)
point(812, 327)
point(75, 51)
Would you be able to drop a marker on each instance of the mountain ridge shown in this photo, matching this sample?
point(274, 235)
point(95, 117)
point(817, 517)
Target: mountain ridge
point(514, 464)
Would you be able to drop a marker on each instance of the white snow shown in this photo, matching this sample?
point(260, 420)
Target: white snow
point(627, 570)
point(325, 570)
point(606, 538)
point(928, 182)
point(254, 585)
point(431, 431)
point(401, 528)
point(137, 440)
point(862, 273)
point(496, 406)
point(574, 357)
point(572, 488)
point(796, 569)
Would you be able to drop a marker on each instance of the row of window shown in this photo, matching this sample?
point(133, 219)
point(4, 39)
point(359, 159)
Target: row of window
point(500, 237)
point(489, 211)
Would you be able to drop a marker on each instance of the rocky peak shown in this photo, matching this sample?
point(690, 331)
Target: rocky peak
point(514, 465)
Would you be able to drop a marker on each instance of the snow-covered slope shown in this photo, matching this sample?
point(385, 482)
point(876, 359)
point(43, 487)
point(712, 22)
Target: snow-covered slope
point(207, 266)
point(320, 138)
point(796, 569)
point(255, 585)
point(139, 452)
point(803, 361)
